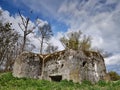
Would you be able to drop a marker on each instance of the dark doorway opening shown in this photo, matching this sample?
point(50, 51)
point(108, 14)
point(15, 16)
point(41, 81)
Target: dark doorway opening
point(56, 78)
point(84, 63)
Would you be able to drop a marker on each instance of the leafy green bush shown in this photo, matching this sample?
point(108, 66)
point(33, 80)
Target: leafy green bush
point(114, 76)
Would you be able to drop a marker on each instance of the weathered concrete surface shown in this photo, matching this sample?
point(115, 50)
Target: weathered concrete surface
point(67, 64)
point(27, 65)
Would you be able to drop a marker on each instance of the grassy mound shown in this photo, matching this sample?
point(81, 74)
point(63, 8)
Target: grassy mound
point(8, 82)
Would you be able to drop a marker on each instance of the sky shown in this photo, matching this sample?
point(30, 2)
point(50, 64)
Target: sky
point(98, 18)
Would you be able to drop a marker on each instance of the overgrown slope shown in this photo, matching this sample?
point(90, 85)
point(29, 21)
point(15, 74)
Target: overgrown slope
point(8, 82)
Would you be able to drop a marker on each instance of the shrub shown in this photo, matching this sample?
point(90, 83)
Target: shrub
point(114, 76)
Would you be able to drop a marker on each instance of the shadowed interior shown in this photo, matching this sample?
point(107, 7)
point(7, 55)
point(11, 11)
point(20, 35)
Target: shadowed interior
point(56, 78)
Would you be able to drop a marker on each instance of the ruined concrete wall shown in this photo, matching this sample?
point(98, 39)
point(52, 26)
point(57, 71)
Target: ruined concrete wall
point(76, 66)
point(67, 64)
point(93, 67)
point(27, 65)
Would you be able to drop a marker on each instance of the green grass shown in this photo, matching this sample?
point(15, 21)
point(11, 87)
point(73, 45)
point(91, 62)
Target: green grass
point(8, 82)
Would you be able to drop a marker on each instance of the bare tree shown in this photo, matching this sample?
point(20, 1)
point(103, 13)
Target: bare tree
point(8, 40)
point(45, 33)
point(24, 27)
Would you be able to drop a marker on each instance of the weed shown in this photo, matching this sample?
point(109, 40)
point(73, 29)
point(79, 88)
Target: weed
point(8, 82)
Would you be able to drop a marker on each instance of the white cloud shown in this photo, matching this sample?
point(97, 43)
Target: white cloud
point(41, 23)
point(5, 17)
point(45, 7)
point(99, 19)
point(33, 40)
point(113, 60)
point(55, 41)
point(113, 63)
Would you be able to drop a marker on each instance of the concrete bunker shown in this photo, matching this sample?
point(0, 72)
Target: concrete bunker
point(60, 66)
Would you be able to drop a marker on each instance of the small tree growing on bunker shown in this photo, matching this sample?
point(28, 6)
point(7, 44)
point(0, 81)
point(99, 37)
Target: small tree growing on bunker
point(75, 41)
point(72, 40)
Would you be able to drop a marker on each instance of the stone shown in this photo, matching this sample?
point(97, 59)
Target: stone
point(27, 65)
point(67, 64)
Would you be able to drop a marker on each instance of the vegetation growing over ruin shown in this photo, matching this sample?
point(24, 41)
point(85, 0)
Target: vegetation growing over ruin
point(11, 47)
point(8, 82)
point(76, 41)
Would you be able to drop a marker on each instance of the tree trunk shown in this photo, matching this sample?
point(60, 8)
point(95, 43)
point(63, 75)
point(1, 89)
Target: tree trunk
point(24, 41)
point(41, 47)
point(42, 74)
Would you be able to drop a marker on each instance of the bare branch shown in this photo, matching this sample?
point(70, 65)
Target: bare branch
point(23, 21)
point(29, 31)
point(21, 27)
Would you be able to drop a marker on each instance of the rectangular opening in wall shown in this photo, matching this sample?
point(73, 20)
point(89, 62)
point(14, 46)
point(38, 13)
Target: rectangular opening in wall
point(56, 78)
